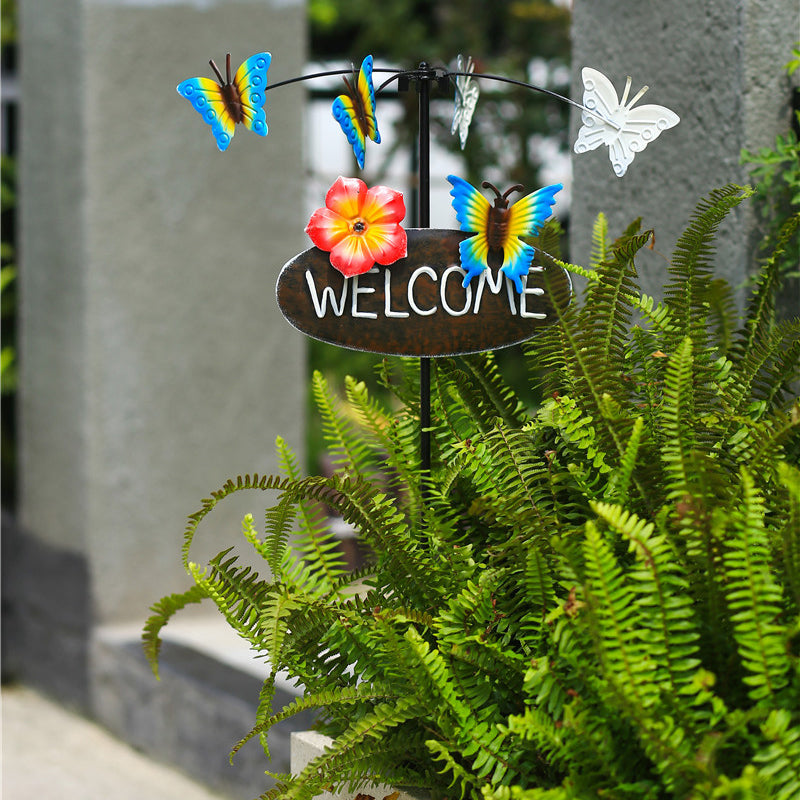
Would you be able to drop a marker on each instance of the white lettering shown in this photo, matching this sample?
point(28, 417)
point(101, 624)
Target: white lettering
point(387, 297)
point(326, 300)
point(429, 271)
point(523, 311)
point(357, 290)
point(502, 280)
point(321, 308)
point(443, 291)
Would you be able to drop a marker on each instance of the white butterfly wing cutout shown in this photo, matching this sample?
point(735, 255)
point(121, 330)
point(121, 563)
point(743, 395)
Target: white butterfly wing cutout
point(625, 129)
point(467, 93)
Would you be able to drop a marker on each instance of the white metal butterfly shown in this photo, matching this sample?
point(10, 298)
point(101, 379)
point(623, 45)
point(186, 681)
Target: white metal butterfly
point(467, 93)
point(625, 129)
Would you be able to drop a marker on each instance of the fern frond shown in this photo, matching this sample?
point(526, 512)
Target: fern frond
point(348, 450)
point(505, 473)
point(606, 314)
point(280, 517)
point(760, 315)
point(757, 443)
point(238, 592)
point(662, 592)
point(462, 778)
point(349, 757)
point(599, 251)
point(678, 422)
point(779, 763)
point(577, 430)
point(434, 669)
point(400, 376)
point(658, 314)
point(754, 597)
point(380, 524)
point(242, 483)
point(691, 267)
point(470, 406)
point(388, 436)
point(587, 348)
point(274, 623)
point(765, 369)
point(162, 612)
point(503, 403)
point(614, 631)
point(328, 699)
point(577, 269)
point(537, 726)
point(790, 537)
point(722, 313)
point(265, 698)
point(619, 480)
point(538, 582)
point(317, 560)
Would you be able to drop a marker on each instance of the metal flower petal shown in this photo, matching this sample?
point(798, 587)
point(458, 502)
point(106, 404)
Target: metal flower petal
point(359, 226)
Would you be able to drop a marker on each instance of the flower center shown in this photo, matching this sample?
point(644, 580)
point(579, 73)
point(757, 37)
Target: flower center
point(359, 226)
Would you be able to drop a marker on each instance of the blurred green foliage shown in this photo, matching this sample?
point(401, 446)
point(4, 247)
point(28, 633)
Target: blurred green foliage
point(504, 38)
point(775, 174)
point(8, 22)
point(8, 274)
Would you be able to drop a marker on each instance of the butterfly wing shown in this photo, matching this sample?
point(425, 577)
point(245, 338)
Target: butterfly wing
point(356, 114)
point(344, 112)
point(600, 97)
point(366, 93)
point(251, 82)
point(472, 213)
point(626, 130)
point(640, 126)
point(206, 98)
point(525, 218)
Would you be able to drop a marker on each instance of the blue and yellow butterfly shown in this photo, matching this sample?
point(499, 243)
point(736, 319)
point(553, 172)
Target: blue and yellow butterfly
point(498, 227)
point(355, 111)
point(224, 104)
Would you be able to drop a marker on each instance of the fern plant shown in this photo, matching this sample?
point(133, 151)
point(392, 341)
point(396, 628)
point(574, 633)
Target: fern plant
point(594, 598)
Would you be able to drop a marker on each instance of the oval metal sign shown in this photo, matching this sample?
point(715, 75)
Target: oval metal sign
point(418, 306)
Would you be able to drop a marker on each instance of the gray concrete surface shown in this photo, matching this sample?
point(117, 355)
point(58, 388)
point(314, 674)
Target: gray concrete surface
point(155, 363)
point(203, 704)
point(719, 65)
point(49, 753)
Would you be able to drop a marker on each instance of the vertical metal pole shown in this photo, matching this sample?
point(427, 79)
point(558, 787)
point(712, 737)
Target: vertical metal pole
point(424, 217)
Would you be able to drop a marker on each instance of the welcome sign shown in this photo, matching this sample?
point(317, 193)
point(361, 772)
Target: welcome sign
point(418, 305)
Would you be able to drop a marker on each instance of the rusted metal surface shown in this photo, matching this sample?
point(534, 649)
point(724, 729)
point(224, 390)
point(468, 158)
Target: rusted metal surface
point(418, 306)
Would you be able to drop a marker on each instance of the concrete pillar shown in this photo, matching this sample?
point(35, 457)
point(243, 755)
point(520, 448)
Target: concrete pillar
point(154, 360)
point(719, 64)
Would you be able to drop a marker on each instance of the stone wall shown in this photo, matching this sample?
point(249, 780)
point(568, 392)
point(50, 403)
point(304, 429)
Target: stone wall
point(720, 66)
point(154, 361)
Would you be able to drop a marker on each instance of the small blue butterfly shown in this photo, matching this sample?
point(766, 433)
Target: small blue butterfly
point(355, 111)
point(224, 104)
point(498, 227)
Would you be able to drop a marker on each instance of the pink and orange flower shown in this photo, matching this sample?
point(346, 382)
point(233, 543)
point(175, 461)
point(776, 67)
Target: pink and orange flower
point(359, 226)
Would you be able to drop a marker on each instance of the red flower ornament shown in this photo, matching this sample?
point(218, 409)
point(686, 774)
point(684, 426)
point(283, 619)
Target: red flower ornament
point(359, 226)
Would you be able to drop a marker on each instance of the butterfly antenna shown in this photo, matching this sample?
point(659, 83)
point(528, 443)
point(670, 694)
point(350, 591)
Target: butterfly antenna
point(517, 187)
point(637, 96)
point(501, 200)
point(624, 100)
point(216, 71)
point(228, 66)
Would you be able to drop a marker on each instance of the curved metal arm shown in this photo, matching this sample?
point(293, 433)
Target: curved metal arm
point(441, 72)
